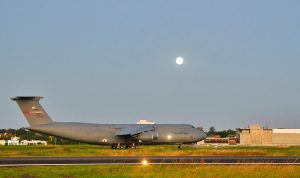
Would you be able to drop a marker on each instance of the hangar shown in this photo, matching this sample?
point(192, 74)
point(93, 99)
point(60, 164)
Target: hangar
point(255, 136)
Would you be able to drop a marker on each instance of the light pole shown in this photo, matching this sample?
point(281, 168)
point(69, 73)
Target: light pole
point(15, 132)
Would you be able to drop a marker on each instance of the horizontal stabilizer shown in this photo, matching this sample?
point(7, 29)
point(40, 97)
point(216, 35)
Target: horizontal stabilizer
point(27, 98)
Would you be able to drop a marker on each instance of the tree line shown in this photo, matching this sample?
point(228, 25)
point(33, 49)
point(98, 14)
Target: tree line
point(25, 134)
point(223, 134)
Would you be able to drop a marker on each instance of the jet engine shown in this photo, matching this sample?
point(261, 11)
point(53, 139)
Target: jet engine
point(147, 136)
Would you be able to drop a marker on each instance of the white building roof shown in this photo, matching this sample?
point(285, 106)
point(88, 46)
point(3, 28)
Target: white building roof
point(145, 122)
point(286, 130)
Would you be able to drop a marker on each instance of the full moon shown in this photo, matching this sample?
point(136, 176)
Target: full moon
point(179, 60)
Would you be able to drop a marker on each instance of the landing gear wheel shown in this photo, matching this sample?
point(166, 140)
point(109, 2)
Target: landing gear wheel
point(121, 147)
point(112, 147)
point(126, 147)
point(180, 147)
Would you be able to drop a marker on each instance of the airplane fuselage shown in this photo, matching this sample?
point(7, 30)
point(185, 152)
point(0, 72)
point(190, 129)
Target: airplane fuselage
point(116, 135)
point(104, 134)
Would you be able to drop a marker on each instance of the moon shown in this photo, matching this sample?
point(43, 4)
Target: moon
point(179, 60)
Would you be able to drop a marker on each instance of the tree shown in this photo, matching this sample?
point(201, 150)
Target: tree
point(211, 131)
point(21, 131)
point(225, 133)
point(3, 131)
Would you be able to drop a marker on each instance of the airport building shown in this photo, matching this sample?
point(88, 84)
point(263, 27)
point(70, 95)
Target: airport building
point(15, 141)
point(33, 142)
point(2, 142)
point(145, 122)
point(255, 136)
point(217, 140)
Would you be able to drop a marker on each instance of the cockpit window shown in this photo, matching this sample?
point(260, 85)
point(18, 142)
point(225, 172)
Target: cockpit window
point(193, 127)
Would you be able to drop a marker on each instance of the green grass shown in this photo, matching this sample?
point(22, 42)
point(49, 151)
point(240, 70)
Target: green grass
point(149, 170)
point(157, 150)
point(154, 171)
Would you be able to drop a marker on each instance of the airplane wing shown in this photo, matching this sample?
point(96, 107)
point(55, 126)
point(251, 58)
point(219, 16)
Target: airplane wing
point(134, 129)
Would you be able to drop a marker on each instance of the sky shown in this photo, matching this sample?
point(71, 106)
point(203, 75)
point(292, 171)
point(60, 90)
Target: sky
point(113, 62)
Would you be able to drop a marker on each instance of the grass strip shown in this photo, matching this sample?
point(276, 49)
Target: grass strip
point(155, 150)
point(153, 171)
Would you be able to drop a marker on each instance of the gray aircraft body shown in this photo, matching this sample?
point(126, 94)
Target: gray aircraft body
point(115, 135)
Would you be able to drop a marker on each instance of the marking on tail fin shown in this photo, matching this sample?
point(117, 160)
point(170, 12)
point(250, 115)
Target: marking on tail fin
point(33, 111)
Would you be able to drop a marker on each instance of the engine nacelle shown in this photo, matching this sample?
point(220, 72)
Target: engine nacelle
point(147, 136)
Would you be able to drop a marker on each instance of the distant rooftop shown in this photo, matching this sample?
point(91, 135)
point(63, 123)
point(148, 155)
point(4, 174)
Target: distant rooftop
point(145, 122)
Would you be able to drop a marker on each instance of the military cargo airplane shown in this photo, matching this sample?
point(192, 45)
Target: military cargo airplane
point(117, 136)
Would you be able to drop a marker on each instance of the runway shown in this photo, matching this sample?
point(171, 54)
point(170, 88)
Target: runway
point(136, 160)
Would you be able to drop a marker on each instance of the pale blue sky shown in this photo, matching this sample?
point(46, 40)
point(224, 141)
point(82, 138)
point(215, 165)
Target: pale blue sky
point(114, 61)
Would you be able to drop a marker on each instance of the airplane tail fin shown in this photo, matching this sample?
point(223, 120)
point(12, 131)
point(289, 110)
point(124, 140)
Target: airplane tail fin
point(32, 110)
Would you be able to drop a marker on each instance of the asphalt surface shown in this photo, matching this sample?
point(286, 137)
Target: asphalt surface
point(23, 161)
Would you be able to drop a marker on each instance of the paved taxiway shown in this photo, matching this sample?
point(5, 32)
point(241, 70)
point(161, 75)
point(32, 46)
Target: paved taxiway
point(29, 161)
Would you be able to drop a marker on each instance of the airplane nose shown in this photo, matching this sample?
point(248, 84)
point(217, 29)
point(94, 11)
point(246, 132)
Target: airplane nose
point(201, 135)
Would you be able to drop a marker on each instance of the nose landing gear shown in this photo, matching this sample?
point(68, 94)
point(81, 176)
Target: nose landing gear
point(180, 147)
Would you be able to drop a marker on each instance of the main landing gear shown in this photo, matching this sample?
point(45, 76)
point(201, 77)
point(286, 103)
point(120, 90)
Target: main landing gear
point(180, 147)
point(121, 146)
point(118, 146)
